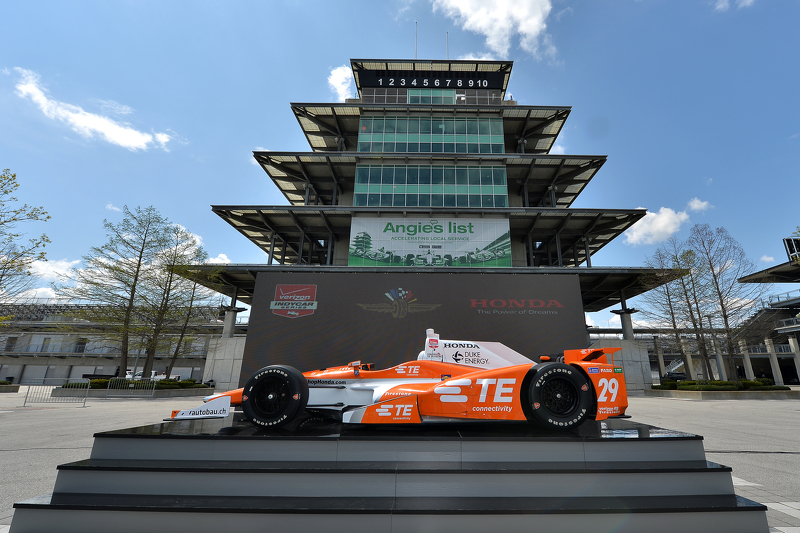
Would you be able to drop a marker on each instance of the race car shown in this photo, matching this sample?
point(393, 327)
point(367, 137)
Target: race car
point(449, 381)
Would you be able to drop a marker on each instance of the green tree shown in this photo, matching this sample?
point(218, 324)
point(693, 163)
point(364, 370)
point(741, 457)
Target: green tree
point(17, 254)
point(113, 274)
point(168, 298)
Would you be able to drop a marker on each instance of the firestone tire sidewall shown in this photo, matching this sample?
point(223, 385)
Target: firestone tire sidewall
point(559, 371)
point(298, 396)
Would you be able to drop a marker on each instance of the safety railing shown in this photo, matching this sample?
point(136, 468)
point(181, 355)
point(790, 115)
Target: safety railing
point(784, 297)
point(787, 323)
point(130, 388)
point(57, 390)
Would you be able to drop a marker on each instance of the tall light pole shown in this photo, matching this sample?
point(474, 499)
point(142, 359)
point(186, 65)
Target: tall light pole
point(714, 343)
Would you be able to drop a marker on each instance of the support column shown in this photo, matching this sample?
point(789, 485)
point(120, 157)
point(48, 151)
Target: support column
point(773, 362)
point(271, 247)
point(660, 353)
point(587, 252)
point(627, 323)
point(796, 350)
point(624, 316)
point(723, 375)
point(229, 322)
point(689, 361)
point(748, 366)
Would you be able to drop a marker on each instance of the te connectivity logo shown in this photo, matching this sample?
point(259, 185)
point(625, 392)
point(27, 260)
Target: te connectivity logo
point(401, 302)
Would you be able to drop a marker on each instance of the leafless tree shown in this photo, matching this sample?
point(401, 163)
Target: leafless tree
point(724, 262)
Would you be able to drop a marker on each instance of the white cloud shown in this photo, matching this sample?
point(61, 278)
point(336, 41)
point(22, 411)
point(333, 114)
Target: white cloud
point(112, 207)
point(723, 5)
point(696, 204)
point(709, 181)
point(221, 259)
point(567, 11)
point(115, 108)
point(253, 159)
point(52, 270)
point(339, 82)
point(501, 20)
point(656, 227)
point(589, 321)
point(89, 125)
point(767, 258)
point(41, 292)
point(559, 147)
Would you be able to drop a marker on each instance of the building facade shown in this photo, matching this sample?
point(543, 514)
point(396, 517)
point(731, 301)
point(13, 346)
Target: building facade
point(43, 339)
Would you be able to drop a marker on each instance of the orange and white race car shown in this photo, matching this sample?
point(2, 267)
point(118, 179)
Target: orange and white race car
point(449, 381)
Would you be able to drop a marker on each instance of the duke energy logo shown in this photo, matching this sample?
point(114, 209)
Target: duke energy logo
point(294, 301)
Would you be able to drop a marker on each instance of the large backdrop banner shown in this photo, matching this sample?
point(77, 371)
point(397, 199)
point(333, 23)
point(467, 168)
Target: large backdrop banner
point(432, 242)
point(315, 320)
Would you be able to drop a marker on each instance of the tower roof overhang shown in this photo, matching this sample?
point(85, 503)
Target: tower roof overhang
point(600, 287)
point(529, 176)
point(293, 233)
point(788, 272)
point(324, 124)
point(431, 65)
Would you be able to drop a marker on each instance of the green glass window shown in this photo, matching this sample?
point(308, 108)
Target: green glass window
point(434, 135)
point(427, 185)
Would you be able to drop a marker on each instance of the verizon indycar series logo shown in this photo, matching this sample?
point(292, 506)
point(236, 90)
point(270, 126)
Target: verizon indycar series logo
point(401, 302)
point(294, 301)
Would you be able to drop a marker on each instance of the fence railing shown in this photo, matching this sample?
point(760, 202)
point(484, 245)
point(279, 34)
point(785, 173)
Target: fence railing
point(130, 388)
point(57, 390)
point(784, 297)
point(787, 322)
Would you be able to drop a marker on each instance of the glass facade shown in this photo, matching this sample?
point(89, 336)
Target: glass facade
point(430, 186)
point(431, 135)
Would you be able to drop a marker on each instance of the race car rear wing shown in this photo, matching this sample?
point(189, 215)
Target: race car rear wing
point(594, 355)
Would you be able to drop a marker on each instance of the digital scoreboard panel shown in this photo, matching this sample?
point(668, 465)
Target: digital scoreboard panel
point(414, 79)
point(316, 320)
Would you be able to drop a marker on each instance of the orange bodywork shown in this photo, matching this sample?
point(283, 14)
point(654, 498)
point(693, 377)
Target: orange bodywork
point(411, 392)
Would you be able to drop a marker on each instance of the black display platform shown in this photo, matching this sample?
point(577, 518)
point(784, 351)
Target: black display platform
point(615, 475)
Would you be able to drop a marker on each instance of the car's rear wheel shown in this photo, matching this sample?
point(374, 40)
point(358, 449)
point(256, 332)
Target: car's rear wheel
point(274, 396)
point(560, 396)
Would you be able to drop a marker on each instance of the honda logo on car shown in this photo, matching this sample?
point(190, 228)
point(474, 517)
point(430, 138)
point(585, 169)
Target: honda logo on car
point(461, 345)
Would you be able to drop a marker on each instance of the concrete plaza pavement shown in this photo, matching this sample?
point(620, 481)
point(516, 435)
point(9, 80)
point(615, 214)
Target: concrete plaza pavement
point(759, 439)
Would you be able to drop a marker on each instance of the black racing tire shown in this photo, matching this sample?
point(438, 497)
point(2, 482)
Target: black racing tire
point(274, 396)
point(559, 395)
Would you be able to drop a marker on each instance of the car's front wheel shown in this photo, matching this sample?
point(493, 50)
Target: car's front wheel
point(560, 396)
point(274, 396)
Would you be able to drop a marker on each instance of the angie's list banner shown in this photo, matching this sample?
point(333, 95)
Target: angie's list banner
point(436, 242)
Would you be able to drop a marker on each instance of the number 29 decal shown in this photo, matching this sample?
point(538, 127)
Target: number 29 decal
point(608, 386)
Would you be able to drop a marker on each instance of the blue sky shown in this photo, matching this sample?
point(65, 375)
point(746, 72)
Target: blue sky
point(104, 104)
